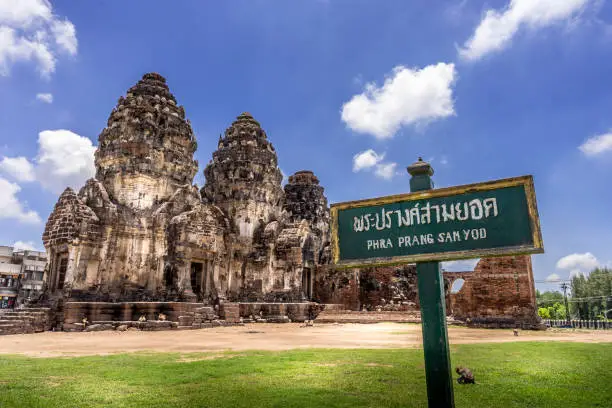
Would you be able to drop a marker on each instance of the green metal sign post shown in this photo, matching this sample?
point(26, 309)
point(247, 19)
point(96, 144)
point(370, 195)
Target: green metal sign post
point(495, 218)
point(433, 312)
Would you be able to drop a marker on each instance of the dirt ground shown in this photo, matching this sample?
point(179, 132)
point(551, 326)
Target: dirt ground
point(266, 337)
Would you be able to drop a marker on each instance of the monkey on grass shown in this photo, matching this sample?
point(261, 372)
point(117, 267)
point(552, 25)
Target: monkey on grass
point(465, 376)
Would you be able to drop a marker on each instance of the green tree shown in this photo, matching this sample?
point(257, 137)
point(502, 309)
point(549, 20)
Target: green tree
point(544, 313)
point(549, 297)
point(592, 294)
point(557, 311)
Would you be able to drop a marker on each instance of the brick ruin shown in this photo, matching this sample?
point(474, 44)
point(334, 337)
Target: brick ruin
point(140, 238)
point(498, 293)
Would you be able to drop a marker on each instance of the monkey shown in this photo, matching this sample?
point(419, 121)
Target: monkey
point(308, 323)
point(465, 376)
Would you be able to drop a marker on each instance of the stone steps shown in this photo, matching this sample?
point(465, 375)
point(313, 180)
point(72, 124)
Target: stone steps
point(7, 323)
point(33, 314)
point(15, 327)
point(18, 318)
point(21, 321)
point(37, 309)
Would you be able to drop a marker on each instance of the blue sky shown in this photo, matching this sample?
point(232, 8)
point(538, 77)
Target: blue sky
point(354, 90)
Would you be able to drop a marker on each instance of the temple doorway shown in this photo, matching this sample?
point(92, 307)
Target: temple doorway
point(196, 278)
point(62, 267)
point(307, 283)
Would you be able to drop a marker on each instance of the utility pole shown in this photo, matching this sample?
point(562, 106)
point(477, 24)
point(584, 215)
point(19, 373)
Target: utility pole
point(565, 286)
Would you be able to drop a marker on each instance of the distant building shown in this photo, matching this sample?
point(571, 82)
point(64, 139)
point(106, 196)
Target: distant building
point(21, 274)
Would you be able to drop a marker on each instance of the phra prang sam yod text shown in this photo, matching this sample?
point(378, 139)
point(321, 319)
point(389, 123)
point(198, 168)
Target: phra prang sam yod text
point(428, 239)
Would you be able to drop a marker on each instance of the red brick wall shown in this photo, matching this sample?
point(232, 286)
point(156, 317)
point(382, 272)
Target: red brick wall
point(337, 286)
point(500, 291)
point(500, 288)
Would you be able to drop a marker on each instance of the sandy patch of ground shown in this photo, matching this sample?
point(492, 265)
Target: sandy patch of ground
point(266, 337)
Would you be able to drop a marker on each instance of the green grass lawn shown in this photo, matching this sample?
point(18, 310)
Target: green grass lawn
point(546, 374)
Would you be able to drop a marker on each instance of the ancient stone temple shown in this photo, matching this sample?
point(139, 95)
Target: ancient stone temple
point(141, 231)
point(140, 239)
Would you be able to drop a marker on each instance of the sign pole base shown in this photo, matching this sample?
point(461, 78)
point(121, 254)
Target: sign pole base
point(435, 335)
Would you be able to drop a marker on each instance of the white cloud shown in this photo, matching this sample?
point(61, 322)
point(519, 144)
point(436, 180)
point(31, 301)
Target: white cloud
point(24, 12)
point(597, 145)
point(11, 207)
point(369, 159)
point(578, 263)
point(463, 265)
point(65, 36)
point(14, 48)
point(25, 246)
point(407, 97)
point(385, 170)
point(366, 159)
point(553, 277)
point(17, 167)
point(64, 159)
point(45, 97)
point(29, 31)
point(497, 28)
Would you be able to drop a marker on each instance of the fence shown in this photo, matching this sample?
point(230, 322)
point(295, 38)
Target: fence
point(580, 324)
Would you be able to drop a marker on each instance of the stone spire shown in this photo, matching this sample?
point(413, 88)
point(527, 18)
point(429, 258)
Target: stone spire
point(305, 200)
point(70, 219)
point(146, 150)
point(243, 178)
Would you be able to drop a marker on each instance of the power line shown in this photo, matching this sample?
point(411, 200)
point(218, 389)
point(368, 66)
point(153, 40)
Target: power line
point(553, 281)
point(575, 300)
point(589, 298)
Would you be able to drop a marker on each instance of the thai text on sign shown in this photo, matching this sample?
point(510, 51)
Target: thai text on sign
point(494, 218)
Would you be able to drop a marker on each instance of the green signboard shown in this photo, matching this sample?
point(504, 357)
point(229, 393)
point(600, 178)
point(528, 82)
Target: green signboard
point(471, 221)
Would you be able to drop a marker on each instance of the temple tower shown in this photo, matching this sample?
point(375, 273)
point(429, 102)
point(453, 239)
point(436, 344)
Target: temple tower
point(146, 151)
point(305, 200)
point(243, 178)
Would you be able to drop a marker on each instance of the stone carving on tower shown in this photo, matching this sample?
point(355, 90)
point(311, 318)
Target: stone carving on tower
point(140, 229)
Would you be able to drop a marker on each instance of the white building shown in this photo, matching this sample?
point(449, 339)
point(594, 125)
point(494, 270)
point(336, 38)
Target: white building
point(21, 273)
